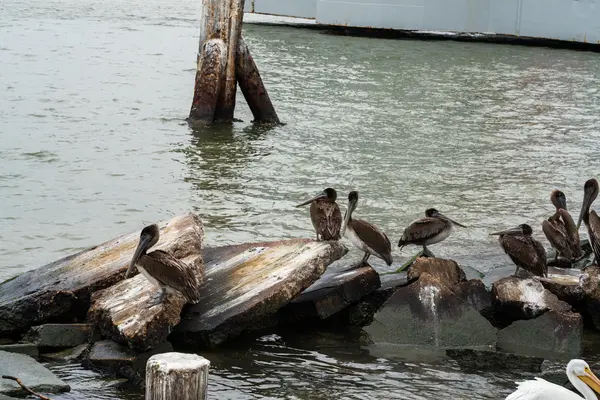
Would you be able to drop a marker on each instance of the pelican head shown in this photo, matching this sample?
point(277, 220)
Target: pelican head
point(580, 370)
point(590, 192)
point(432, 212)
point(520, 230)
point(558, 199)
point(148, 238)
point(328, 194)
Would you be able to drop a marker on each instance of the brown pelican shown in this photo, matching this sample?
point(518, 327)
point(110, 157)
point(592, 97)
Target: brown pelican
point(325, 215)
point(366, 236)
point(162, 269)
point(434, 228)
point(560, 229)
point(590, 218)
point(523, 249)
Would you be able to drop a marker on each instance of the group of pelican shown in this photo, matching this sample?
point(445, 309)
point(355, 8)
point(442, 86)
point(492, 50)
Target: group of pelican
point(526, 252)
point(327, 220)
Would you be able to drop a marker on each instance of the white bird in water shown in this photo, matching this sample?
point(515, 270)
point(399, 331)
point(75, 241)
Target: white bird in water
point(579, 374)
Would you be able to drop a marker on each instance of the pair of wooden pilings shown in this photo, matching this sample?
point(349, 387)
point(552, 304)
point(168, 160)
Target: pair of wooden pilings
point(176, 376)
point(224, 61)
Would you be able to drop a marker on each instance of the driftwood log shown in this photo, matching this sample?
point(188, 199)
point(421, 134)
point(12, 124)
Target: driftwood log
point(223, 59)
point(60, 291)
point(245, 285)
point(176, 376)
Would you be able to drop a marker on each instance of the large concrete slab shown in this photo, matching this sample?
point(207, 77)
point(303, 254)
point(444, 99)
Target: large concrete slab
point(246, 283)
point(33, 375)
point(61, 290)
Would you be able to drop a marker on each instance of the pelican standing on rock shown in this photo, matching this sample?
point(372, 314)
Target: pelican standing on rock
point(432, 229)
point(366, 236)
point(162, 269)
point(560, 229)
point(325, 215)
point(590, 218)
point(580, 375)
point(523, 249)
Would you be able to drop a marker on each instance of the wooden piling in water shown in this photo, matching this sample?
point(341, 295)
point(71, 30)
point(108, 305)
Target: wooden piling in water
point(223, 60)
point(176, 376)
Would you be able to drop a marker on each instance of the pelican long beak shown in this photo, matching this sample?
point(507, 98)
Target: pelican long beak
point(591, 380)
point(451, 220)
point(143, 245)
point(585, 206)
point(321, 195)
point(347, 215)
point(511, 231)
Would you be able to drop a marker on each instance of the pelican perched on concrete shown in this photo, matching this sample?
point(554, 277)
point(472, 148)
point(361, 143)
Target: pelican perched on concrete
point(590, 218)
point(162, 269)
point(560, 229)
point(580, 375)
point(523, 249)
point(325, 215)
point(434, 228)
point(366, 236)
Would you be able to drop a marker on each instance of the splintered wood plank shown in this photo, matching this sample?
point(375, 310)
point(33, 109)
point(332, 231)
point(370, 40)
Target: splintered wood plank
point(245, 284)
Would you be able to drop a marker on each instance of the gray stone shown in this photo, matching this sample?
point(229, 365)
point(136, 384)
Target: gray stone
point(565, 287)
point(516, 298)
point(246, 284)
point(590, 283)
point(59, 335)
point(361, 313)
point(33, 375)
point(446, 271)
point(333, 292)
point(555, 332)
point(60, 290)
point(492, 360)
point(475, 293)
point(107, 353)
point(428, 313)
point(28, 349)
point(74, 353)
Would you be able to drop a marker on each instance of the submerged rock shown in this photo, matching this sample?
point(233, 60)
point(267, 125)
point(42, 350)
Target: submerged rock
point(486, 360)
point(246, 284)
point(74, 353)
point(446, 271)
point(516, 298)
point(61, 291)
point(33, 375)
point(558, 332)
point(429, 313)
point(59, 335)
point(332, 292)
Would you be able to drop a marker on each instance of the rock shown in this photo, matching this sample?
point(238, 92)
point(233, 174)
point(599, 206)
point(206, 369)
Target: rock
point(61, 291)
point(121, 360)
point(491, 360)
point(33, 375)
point(59, 335)
point(475, 293)
point(28, 349)
point(361, 313)
point(565, 287)
point(517, 298)
point(555, 332)
point(590, 283)
point(428, 313)
point(247, 283)
point(446, 271)
point(334, 291)
point(3, 397)
point(72, 354)
point(121, 312)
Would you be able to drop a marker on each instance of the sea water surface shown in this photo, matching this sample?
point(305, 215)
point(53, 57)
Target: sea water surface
point(94, 143)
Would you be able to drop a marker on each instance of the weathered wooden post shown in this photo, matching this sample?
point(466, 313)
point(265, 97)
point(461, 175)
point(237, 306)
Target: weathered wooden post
point(176, 376)
point(223, 60)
